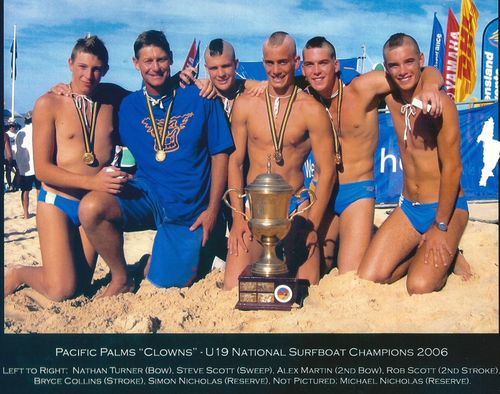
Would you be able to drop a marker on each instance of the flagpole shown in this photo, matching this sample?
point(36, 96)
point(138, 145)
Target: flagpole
point(363, 57)
point(14, 48)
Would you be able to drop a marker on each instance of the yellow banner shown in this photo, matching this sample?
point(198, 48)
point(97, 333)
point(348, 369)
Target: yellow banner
point(466, 65)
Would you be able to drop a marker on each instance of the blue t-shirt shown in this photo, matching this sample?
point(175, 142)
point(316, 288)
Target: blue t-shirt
point(198, 129)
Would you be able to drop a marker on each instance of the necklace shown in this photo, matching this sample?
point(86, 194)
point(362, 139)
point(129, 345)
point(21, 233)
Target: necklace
point(226, 99)
point(228, 105)
point(408, 110)
point(278, 138)
point(276, 105)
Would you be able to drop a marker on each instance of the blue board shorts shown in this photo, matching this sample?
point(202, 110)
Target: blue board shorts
point(351, 192)
point(176, 250)
point(422, 216)
point(68, 206)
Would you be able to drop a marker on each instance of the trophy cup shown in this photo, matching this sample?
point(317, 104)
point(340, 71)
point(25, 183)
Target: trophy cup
point(266, 284)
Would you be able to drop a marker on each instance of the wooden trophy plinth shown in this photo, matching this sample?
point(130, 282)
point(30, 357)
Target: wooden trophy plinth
point(270, 293)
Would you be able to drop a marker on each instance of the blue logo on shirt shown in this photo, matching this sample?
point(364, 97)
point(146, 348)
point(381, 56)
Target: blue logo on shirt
point(176, 125)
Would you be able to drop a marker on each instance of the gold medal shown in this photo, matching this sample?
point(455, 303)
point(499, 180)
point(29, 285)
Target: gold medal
point(160, 137)
point(278, 157)
point(82, 104)
point(336, 130)
point(88, 158)
point(161, 155)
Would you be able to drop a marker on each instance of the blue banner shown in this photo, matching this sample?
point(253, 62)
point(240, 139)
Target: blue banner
point(489, 69)
point(436, 52)
point(480, 154)
point(255, 70)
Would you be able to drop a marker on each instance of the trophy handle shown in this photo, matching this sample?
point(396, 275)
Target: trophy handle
point(224, 198)
point(312, 200)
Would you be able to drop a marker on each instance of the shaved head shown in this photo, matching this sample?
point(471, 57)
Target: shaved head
point(280, 38)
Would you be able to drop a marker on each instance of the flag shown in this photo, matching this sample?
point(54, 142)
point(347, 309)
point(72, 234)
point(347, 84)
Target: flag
point(489, 69)
point(193, 57)
point(13, 58)
point(436, 53)
point(451, 54)
point(466, 66)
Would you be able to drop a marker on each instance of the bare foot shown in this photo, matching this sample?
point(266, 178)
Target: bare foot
point(10, 281)
point(462, 267)
point(118, 287)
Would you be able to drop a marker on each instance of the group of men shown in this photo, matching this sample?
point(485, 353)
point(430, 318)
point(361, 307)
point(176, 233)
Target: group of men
point(189, 149)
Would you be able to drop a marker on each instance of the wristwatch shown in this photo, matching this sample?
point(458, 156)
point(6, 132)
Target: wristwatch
point(441, 226)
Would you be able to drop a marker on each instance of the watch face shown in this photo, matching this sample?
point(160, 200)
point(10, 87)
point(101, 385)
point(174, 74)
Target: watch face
point(442, 226)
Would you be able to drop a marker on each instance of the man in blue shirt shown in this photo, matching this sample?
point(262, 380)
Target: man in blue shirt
point(181, 143)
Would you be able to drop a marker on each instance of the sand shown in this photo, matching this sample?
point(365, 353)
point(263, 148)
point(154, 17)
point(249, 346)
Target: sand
point(339, 304)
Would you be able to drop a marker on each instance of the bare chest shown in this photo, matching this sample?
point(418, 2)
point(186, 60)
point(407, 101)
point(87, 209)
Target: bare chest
point(75, 136)
point(291, 130)
point(70, 128)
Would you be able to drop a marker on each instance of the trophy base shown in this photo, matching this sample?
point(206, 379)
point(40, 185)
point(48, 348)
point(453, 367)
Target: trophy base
point(270, 292)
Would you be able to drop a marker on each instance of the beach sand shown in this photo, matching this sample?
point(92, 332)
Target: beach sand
point(339, 304)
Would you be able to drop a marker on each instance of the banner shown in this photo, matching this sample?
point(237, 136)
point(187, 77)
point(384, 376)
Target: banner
point(436, 52)
point(193, 57)
point(255, 70)
point(489, 69)
point(480, 153)
point(466, 66)
point(451, 54)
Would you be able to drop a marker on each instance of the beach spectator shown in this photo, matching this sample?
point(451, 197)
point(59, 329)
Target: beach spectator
point(73, 141)
point(25, 164)
point(284, 124)
point(11, 171)
point(181, 143)
point(421, 235)
point(353, 111)
point(7, 157)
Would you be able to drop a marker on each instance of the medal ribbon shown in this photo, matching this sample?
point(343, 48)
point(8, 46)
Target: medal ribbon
point(278, 139)
point(87, 131)
point(336, 129)
point(160, 137)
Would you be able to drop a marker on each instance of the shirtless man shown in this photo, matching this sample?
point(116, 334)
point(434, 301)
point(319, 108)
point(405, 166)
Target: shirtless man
point(73, 141)
point(350, 216)
point(421, 236)
point(306, 127)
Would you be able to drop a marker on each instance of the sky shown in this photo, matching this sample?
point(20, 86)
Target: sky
point(47, 31)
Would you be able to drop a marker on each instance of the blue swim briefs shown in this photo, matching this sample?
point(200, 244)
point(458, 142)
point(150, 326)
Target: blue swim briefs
point(176, 250)
point(69, 207)
point(422, 216)
point(351, 192)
